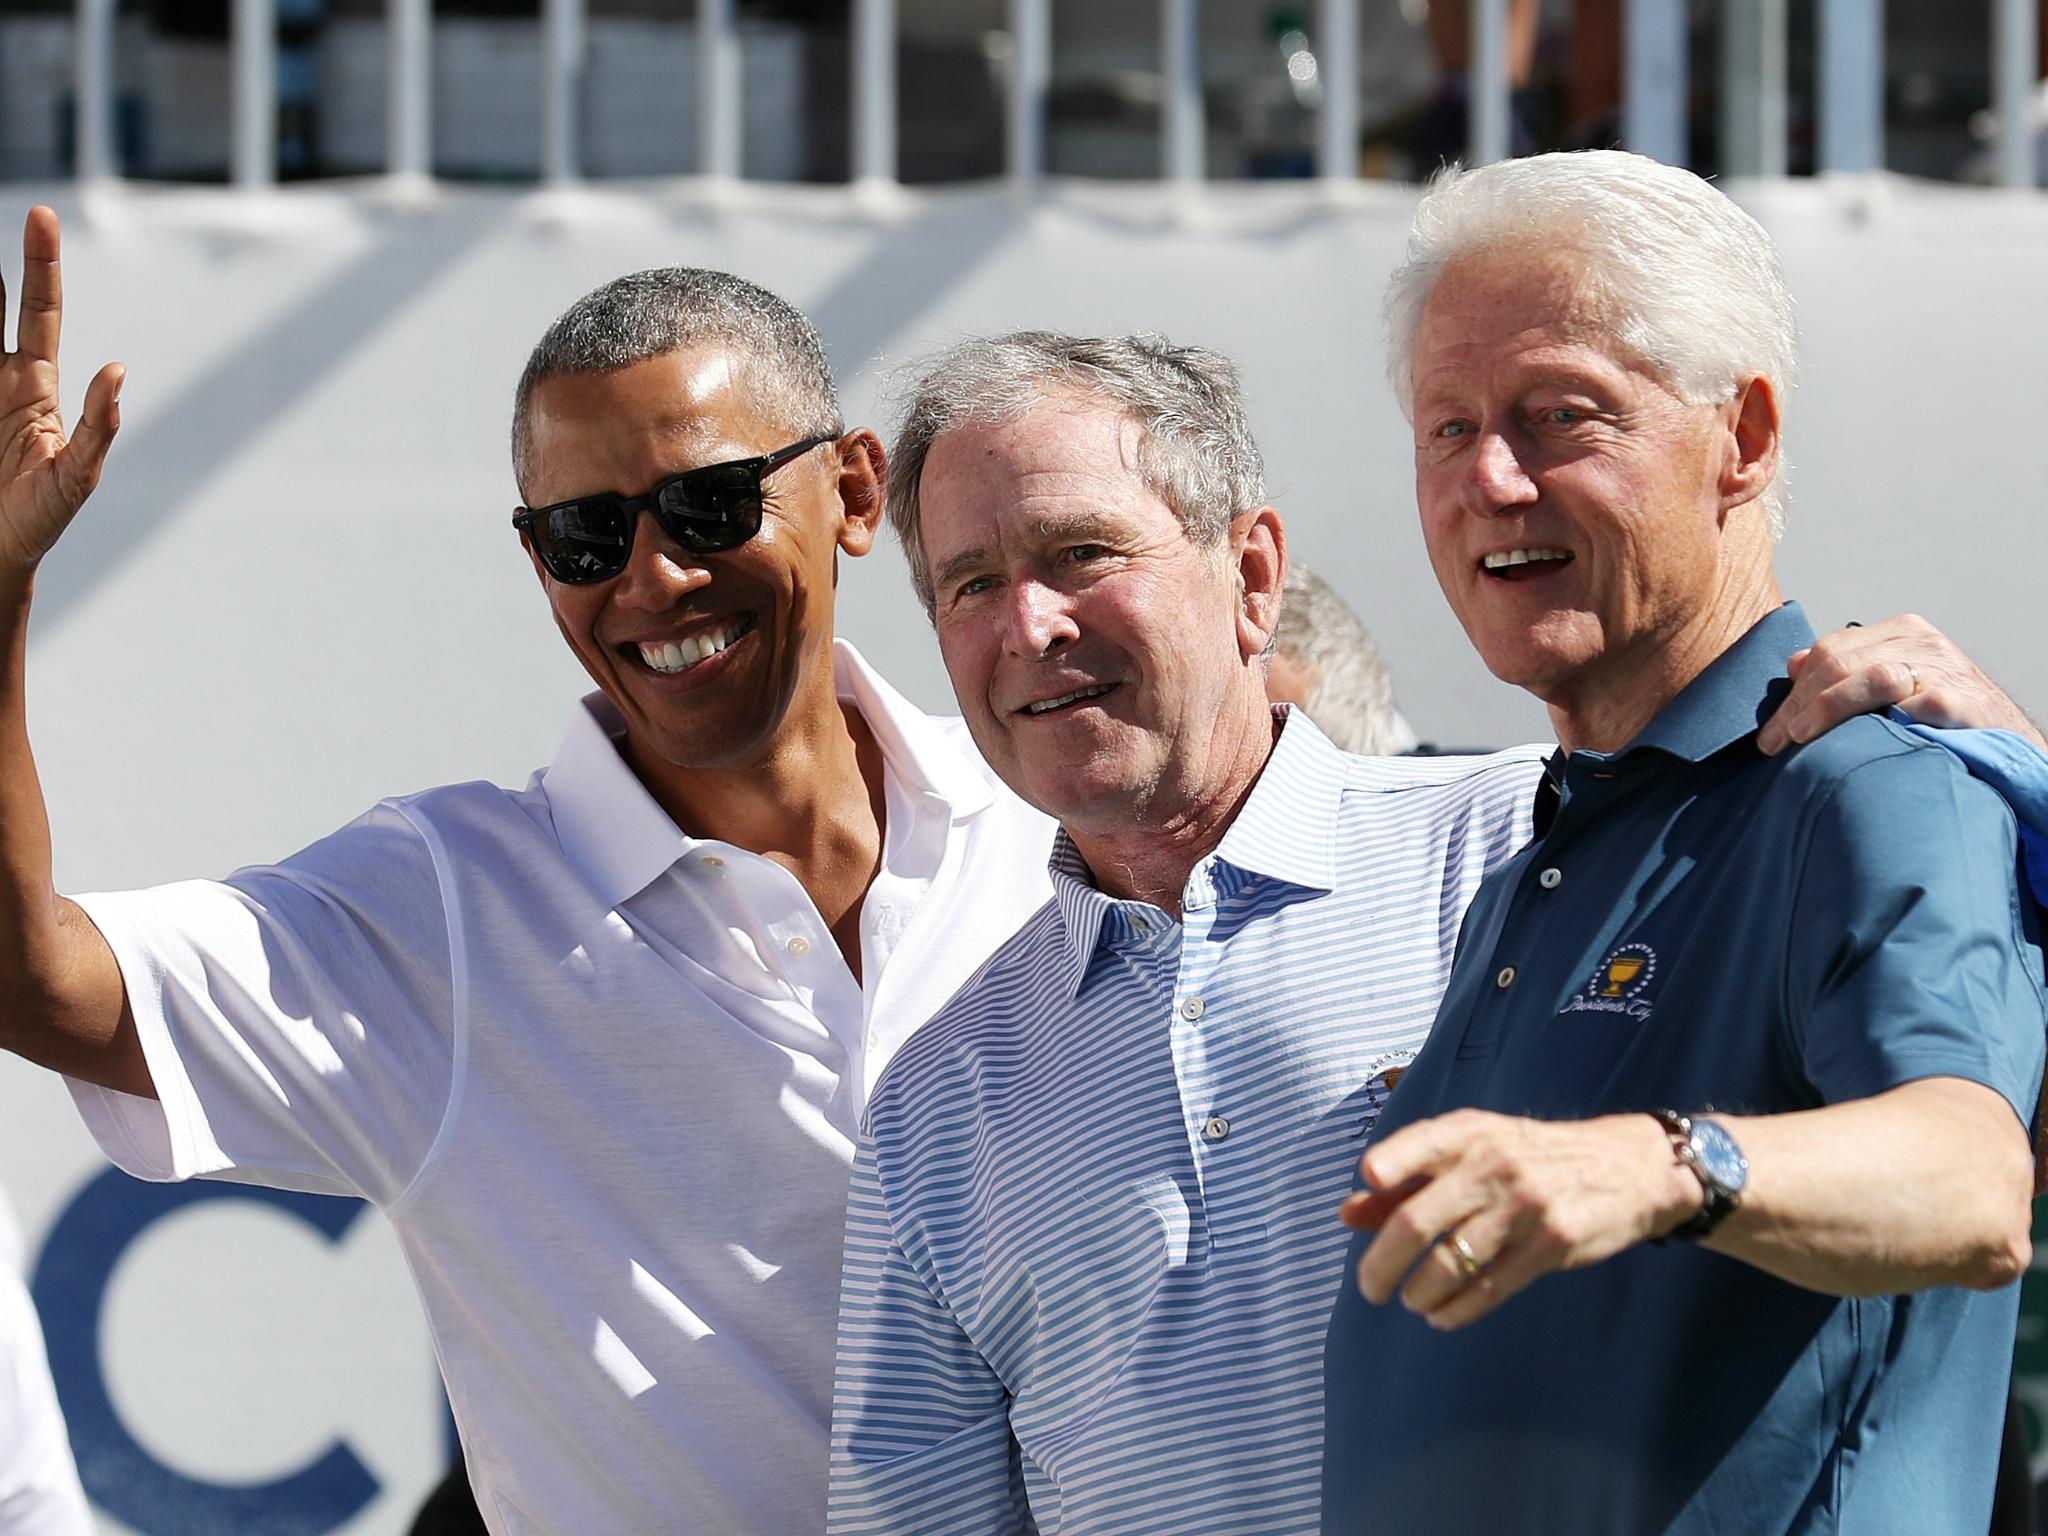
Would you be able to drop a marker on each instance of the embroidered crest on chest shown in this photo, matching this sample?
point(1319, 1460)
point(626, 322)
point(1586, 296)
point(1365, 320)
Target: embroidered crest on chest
point(1622, 983)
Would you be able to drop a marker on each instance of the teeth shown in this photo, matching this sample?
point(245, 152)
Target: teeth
point(1501, 562)
point(1092, 692)
point(679, 655)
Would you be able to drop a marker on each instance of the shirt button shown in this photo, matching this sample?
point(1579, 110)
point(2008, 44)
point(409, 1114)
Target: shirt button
point(799, 945)
point(1191, 1009)
point(713, 861)
point(1217, 1129)
point(1506, 978)
point(1551, 879)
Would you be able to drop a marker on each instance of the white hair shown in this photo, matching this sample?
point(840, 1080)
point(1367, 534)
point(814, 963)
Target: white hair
point(1686, 283)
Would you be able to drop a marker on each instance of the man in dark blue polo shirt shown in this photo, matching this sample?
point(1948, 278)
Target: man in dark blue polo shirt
point(1703, 1208)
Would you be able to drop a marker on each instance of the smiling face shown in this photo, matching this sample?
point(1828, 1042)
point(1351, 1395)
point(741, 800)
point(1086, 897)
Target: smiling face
point(708, 657)
point(1106, 665)
point(1577, 511)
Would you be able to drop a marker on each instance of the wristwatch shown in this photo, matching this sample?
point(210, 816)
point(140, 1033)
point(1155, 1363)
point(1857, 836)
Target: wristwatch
point(1716, 1161)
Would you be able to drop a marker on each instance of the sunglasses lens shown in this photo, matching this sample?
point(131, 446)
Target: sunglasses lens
point(583, 541)
point(712, 509)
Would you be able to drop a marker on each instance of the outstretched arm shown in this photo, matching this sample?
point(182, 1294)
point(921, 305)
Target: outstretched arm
point(61, 998)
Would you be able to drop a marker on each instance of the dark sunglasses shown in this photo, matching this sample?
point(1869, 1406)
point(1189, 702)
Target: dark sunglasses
point(705, 510)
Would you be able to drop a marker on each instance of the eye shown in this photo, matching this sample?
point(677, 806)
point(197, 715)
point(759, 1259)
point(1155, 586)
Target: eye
point(1082, 553)
point(974, 586)
point(1563, 415)
point(1456, 427)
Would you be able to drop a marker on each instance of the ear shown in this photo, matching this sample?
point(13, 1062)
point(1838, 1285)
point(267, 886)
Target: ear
point(863, 471)
point(1751, 461)
point(1258, 545)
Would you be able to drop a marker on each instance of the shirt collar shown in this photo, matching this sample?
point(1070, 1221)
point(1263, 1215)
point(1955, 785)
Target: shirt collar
point(1735, 694)
point(1285, 831)
point(619, 838)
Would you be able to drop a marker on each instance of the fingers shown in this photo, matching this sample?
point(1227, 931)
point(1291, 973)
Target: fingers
point(1444, 1272)
point(86, 453)
point(1513, 1269)
point(42, 288)
point(1876, 685)
point(1407, 1232)
point(1863, 669)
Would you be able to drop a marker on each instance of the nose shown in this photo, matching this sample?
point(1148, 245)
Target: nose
point(1039, 620)
point(1498, 478)
point(658, 571)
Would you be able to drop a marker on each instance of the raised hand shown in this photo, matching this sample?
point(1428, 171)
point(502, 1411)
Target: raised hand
point(45, 477)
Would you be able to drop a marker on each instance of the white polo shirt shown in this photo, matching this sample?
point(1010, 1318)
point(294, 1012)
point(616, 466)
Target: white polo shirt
point(605, 1080)
point(39, 1490)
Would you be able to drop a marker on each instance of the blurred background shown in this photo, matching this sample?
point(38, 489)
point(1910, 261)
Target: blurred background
point(323, 234)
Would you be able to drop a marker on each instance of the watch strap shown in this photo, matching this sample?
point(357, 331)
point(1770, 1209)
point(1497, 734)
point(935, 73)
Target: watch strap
point(1717, 1202)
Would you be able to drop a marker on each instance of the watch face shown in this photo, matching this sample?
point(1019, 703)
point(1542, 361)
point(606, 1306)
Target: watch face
point(1719, 1158)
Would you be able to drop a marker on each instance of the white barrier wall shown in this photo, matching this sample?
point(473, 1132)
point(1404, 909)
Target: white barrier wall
point(297, 590)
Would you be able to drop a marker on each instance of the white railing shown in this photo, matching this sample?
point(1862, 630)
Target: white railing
point(1753, 88)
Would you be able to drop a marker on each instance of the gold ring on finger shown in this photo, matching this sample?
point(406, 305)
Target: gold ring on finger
point(1467, 1259)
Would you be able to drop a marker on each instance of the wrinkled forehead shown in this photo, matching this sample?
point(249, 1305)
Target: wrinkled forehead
point(1490, 304)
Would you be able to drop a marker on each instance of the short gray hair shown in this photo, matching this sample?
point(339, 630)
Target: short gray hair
point(663, 310)
point(1351, 693)
point(1689, 285)
point(1195, 450)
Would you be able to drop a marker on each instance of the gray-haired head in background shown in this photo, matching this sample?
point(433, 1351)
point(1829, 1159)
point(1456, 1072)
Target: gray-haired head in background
point(1683, 280)
point(663, 310)
point(1196, 451)
point(1325, 660)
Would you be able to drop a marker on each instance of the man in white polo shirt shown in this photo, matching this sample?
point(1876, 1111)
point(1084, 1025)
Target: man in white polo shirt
point(598, 1046)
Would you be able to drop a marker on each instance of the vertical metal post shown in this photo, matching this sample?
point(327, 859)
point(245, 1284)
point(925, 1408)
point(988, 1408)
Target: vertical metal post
point(1851, 85)
point(874, 90)
point(1337, 55)
point(408, 88)
point(1654, 93)
point(718, 91)
point(2015, 35)
point(1030, 74)
point(1753, 88)
point(1181, 126)
point(1486, 125)
point(561, 88)
point(252, 149)
point(93, 102)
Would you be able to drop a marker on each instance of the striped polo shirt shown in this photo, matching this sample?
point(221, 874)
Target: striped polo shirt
point(1092, 1244)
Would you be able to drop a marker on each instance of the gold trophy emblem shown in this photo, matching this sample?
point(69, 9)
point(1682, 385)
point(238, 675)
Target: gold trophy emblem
point(1621, 970)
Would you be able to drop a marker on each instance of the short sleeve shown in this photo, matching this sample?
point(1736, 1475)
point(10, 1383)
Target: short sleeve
point(1911, 956)
point(297, 1019)
point(920, 1422)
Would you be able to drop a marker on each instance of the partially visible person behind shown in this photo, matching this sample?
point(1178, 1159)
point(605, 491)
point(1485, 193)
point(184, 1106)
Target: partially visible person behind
point(1703, 1208)
point(39, 1489)
point(1326, 662)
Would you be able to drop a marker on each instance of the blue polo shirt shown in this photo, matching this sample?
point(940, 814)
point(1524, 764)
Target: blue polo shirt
point(1697, 926)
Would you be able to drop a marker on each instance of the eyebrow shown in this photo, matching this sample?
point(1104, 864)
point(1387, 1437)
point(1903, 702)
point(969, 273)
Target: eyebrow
point(1056, 526)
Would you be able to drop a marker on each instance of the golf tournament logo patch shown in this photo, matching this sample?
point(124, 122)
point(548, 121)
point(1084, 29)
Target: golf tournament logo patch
point(1620, 984)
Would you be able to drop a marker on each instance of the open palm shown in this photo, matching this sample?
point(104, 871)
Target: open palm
point(45, 477)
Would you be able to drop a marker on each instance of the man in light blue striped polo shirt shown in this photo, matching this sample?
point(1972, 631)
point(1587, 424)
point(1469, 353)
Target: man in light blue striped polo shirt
point(1090, 1255)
